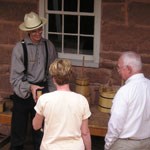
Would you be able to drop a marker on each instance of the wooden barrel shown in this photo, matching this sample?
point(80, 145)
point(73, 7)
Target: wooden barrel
point(105, 101)
point(82, 87)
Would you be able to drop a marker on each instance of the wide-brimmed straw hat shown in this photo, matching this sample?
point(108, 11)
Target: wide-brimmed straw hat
point(31, 22)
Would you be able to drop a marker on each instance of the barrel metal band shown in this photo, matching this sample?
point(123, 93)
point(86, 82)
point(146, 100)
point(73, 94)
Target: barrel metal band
point(106, 97)
point(104, 107)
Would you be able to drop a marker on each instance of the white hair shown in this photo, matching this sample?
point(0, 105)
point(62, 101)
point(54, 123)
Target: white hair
point(133, 60)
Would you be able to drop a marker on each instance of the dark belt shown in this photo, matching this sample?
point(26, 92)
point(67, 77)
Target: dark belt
point(43, 83)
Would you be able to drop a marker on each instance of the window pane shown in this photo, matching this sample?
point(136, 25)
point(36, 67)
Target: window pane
point(54, 4)
point(86, 45)
point(70, 44)
point(87, 6)
point(70, 24)
point(56, 40)
point(70, 5)
point(55, 23)
point(87, 25)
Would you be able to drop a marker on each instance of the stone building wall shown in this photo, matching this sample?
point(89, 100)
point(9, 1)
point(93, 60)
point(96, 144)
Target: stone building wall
point(11, 15)
point(125, 26)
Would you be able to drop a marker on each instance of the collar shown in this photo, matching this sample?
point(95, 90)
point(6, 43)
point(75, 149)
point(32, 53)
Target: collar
point(134, 77)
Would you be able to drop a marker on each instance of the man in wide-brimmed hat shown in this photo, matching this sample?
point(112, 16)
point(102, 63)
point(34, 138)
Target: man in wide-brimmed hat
point(31, 58)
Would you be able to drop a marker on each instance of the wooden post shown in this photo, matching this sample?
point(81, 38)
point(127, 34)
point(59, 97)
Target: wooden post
point(82, 73)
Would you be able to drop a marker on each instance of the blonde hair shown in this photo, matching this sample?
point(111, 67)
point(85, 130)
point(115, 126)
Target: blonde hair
point(61, 70)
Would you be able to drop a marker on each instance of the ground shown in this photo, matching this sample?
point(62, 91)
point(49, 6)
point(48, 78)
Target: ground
point(97, 144)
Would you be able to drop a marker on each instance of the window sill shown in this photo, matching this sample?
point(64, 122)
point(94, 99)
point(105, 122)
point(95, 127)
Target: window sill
point(86, 63)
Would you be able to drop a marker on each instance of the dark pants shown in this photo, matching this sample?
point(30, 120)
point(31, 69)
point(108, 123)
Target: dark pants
point(21, 111)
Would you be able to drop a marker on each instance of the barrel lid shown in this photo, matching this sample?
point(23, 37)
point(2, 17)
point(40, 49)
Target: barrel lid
point(109, 94)
point(82, 78)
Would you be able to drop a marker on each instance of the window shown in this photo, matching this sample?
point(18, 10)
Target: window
point(74, 28)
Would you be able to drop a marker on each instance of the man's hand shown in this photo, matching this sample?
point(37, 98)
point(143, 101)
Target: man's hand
point(34, 88)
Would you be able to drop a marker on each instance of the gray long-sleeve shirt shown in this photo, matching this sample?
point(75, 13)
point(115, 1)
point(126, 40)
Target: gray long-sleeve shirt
point(36, 66)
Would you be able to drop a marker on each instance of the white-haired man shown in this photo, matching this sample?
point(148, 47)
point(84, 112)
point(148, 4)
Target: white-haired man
point(128, 127)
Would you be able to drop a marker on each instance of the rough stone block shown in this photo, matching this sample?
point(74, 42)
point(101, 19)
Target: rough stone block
point(5, 54)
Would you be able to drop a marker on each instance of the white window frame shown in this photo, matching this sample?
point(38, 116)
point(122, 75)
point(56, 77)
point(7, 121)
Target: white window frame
point(77, 59)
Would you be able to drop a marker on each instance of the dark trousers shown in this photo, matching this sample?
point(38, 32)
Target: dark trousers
point(21, 111)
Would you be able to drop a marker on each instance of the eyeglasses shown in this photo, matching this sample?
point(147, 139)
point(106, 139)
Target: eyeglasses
point(37, 31)
point(120, 67)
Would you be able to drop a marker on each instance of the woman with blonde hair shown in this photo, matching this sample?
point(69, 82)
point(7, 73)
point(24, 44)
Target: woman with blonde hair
point(65, 113)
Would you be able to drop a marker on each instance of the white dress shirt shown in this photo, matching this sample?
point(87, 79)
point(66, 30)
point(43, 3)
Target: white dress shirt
point(130, 112)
